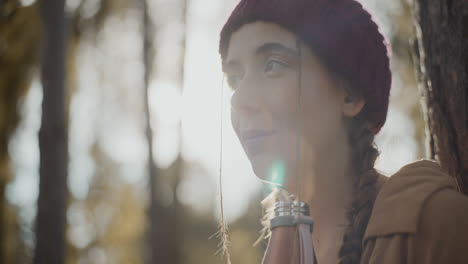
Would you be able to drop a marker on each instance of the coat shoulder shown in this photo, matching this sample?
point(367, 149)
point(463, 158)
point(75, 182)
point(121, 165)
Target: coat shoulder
point(418, 217)
point(442, 235)
point(445, 212)
point(401, 200)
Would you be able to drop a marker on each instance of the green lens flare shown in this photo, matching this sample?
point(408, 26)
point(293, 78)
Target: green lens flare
point(278, 173)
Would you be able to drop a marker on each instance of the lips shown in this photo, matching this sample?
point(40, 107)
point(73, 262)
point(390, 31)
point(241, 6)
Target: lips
point(254, 141)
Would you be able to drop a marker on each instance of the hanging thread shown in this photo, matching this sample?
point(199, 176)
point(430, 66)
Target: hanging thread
point(223, 232)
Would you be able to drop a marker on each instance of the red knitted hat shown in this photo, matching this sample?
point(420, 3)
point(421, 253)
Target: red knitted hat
point(340, 32)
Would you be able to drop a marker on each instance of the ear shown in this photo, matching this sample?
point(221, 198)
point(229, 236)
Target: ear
point(352, 105)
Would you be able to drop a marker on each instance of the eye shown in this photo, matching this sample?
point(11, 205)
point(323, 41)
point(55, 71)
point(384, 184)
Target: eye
point(274, 67)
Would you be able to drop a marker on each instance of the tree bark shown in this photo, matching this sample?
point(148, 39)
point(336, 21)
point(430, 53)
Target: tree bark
point(442, 50)
point(50, 228)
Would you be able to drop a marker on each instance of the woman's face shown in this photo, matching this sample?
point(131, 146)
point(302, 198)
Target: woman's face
point(281, 121)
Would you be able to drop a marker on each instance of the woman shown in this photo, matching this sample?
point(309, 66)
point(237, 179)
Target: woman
point(311, 83)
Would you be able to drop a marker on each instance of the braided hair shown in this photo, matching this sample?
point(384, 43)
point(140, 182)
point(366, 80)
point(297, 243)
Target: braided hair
point(364, 154)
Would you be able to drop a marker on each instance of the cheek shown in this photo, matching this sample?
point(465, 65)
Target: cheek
point(321, 115)
point(282, 100)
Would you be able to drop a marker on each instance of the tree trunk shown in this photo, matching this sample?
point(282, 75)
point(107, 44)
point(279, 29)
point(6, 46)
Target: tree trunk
point(164, 229)
point(162, 246)
point(442, 50)
point(155, 224)
point(50, 228)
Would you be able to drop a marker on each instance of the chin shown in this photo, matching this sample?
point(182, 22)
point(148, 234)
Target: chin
point(269, 168)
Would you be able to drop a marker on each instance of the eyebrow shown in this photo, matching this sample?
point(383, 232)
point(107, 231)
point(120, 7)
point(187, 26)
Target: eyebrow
point(263, 49)
point(276, 47)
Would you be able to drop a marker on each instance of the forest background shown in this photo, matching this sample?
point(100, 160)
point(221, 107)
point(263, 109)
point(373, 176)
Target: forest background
point(130, 62)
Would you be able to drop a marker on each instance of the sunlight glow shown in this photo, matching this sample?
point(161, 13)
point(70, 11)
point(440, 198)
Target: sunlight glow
point(278, 173)
point(107, 111)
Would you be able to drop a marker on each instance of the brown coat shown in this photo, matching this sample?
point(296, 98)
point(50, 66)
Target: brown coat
point(418, 217)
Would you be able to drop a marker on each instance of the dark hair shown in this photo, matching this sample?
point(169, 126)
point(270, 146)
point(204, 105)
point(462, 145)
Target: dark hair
point(364, 153)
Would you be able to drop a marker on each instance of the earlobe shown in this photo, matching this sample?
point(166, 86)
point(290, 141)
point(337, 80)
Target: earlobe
point(352, 105)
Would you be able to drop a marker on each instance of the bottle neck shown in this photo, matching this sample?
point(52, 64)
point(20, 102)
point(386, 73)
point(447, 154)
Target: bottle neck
point(286, 241)
point(282, 247)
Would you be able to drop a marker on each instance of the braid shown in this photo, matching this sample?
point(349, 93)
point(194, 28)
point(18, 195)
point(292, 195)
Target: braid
point(364, 154)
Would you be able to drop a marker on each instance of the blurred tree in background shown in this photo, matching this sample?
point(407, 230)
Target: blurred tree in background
point(135, 183)
point(53, 137)
point(19, 38)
